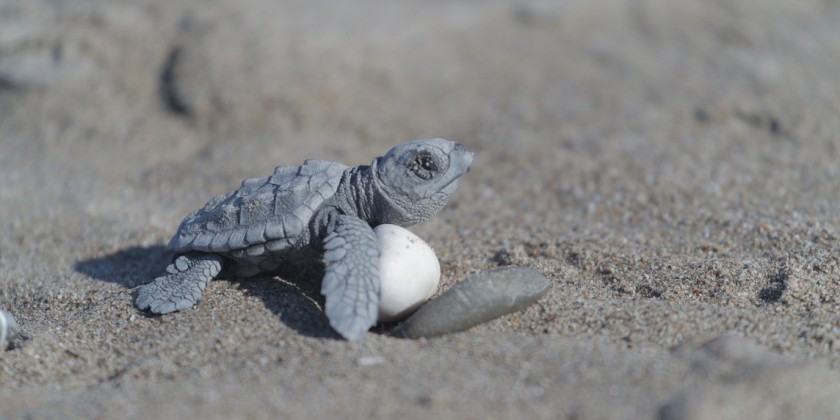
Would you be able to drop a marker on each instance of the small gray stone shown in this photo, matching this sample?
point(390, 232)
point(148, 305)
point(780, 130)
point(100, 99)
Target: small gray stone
point(480, 298)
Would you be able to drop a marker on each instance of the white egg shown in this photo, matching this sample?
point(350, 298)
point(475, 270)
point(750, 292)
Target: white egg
point(409, 271)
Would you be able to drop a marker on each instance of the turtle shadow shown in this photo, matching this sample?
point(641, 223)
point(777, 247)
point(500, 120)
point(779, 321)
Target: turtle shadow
point(294, 295)
point(128, 267)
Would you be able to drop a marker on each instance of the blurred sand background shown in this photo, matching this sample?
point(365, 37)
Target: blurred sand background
point(671, 167)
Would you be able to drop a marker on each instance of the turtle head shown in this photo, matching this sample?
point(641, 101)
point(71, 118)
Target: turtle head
point(416, 178)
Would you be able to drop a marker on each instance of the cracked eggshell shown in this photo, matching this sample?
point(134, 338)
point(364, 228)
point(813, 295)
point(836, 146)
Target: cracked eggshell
point(409, 271)
point(8, 328)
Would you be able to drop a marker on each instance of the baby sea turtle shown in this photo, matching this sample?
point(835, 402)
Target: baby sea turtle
point(303, 212)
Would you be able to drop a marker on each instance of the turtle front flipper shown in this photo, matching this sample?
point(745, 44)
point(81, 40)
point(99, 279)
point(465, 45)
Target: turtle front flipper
point(351, 283)
point(182, 285)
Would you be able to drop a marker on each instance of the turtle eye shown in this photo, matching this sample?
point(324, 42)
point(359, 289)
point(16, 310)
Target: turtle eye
point(423, 165)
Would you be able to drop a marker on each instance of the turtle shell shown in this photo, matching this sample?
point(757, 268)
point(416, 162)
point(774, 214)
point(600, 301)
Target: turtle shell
point(264, 214)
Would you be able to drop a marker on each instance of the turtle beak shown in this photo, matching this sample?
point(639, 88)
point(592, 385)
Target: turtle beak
point(467, 156)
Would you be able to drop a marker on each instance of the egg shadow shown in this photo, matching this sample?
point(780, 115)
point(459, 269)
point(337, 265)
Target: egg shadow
point(292, 293)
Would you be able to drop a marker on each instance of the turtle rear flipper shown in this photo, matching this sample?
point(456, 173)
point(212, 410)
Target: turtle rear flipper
point(182, 285)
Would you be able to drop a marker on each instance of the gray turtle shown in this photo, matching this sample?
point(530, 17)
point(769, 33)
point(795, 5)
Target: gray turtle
point(302, 212)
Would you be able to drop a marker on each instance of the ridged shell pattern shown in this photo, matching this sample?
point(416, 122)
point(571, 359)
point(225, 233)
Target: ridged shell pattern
point(263, 215)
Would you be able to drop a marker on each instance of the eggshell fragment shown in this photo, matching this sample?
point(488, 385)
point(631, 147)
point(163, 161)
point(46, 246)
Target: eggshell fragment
point(409, 271)
point(8, 328)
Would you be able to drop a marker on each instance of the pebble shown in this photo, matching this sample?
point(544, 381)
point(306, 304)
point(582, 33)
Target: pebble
point(480, 298)
point(408, 269)
point(8, 328)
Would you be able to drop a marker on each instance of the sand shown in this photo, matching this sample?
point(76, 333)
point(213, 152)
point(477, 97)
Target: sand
point(671, 167)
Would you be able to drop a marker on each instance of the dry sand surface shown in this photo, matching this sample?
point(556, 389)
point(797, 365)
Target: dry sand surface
point(671, 167)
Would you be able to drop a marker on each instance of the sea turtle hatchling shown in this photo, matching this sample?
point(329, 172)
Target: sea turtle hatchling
point(302, 212)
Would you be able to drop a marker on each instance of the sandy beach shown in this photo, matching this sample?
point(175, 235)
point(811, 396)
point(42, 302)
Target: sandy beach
point(670, 167)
